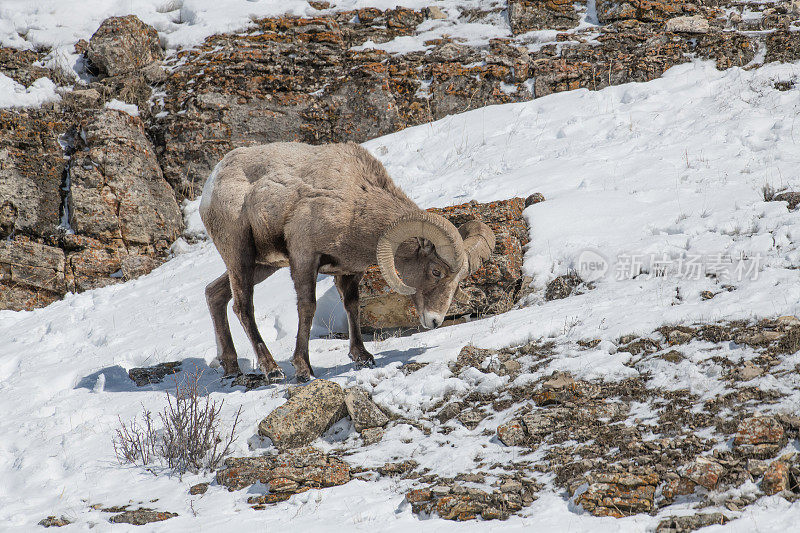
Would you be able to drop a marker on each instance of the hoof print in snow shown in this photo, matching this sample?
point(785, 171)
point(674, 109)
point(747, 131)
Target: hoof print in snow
point(140, 517)
point(686, 524)
point(283, 474)
point(53, 521)
point(150, 375)
point(619, 494)
point(306, 415)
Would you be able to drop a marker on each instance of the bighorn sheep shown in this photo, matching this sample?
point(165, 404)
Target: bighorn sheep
point(331, 209)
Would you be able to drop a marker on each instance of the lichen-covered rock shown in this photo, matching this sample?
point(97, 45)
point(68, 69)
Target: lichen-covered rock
point(511, 433)
point(31, 173)
point(782, 45)
point(153, 374)
point(123, 44)
point(792, 198)
point(492, 289)
point(363, 412)
point(461, 503)
point(619, 494)
point(760, 436)
point(529, 15)
point(285, 474)
point(31, 274)
point(119, 195)
point(642, 10)
point(311, 410)
point(22, 66)
point(54, 521)
point(776, 478)
point(140, 517)
point(687, 524)
point(704, 472)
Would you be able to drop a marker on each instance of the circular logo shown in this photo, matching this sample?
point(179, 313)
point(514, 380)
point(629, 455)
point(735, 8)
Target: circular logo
point(592, 265)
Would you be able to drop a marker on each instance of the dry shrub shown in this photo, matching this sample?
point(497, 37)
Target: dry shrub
point(190, 439)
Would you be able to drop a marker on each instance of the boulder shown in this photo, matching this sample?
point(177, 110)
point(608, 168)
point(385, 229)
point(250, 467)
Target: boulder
point(123, 44)
point(362, 410)
point(492, 289)
point(311, 410)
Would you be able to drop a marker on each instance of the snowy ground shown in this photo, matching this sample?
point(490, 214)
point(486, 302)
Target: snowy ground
point(673, 167)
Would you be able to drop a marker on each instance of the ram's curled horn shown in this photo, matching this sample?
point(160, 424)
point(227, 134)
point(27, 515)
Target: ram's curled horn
point(437, 230)
point(479, 242)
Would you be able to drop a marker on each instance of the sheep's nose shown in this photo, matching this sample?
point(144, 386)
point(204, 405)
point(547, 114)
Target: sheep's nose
point(436, 322)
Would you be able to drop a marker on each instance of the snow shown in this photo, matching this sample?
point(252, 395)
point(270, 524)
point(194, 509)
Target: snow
point(13, 94)
point(670, 169)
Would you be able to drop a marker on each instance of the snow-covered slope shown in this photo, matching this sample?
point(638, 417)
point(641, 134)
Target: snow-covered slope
point(672, 167)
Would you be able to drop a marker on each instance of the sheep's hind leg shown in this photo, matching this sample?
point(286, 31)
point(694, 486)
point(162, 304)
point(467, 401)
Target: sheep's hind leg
point(242, 283)
point(348, 290)
point(304, 277)
point(218, 294)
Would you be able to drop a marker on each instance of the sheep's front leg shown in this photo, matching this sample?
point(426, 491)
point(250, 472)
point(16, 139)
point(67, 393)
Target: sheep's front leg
point(348, 290)
point(304, 276)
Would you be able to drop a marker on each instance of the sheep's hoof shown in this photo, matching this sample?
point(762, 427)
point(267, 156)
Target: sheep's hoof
point(302, 378)
point(275, 375)
point(232, 375)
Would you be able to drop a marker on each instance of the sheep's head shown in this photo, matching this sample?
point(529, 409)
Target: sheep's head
point(432, 257)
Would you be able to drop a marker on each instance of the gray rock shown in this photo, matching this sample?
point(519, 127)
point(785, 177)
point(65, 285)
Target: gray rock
point(124, 44)
point(362, 410)
point(305, 416)
point(371, 436)
point(693, 24)
point(82, 98)
point(471, 418)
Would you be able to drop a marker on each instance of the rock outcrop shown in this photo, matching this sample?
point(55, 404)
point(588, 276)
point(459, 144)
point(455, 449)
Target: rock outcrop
point(283, 475)
point(100, 215)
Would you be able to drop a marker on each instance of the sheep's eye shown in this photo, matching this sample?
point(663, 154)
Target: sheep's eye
point(436, 273)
